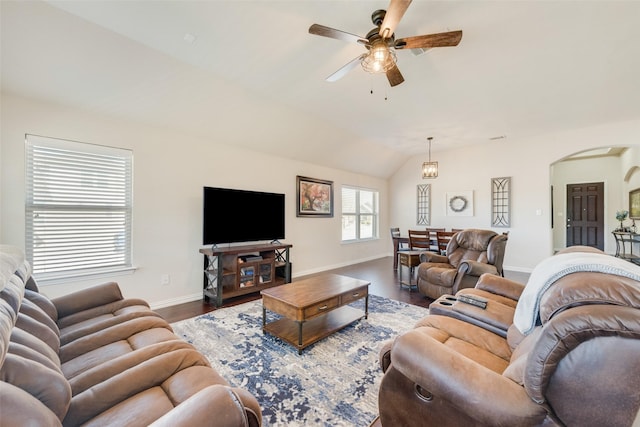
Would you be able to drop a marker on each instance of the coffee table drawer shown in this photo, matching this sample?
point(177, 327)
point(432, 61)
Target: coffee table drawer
point(354, 295)
point(321, 307)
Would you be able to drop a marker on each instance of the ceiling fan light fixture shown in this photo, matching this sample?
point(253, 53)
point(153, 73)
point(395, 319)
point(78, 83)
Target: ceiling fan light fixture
point(429, 169)
point(380, 59)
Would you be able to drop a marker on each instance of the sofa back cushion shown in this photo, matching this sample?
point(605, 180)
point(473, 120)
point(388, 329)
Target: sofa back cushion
point(469, 244)
point(47, 385)
point(588, 288)
point(30, 374)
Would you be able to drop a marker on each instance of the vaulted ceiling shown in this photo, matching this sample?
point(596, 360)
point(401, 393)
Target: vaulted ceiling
point(523, 68)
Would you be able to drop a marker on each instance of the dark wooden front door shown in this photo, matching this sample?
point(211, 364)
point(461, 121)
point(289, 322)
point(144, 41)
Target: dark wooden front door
point(585, 214)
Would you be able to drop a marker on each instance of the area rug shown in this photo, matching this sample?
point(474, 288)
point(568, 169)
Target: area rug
point(334, 382)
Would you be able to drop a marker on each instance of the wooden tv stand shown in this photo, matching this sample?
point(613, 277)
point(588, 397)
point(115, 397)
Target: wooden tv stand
point(238, 270)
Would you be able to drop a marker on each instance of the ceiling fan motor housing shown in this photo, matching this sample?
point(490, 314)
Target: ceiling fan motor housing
point(374, 35)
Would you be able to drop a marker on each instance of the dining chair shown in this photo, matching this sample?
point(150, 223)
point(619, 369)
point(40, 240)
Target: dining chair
point(443, 238)
point(419, 240)
point(399, 245)
point(434, 238)
point(395, 233)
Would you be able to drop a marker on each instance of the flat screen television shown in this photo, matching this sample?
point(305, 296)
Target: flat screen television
point(231, 216)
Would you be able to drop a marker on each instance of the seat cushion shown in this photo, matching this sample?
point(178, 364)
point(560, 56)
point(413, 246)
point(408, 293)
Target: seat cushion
point(473, 342)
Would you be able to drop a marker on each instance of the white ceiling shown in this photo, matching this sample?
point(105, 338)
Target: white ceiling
point(522, 68)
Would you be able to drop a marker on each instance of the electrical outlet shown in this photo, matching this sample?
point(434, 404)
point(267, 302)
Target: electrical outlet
point(165, 280)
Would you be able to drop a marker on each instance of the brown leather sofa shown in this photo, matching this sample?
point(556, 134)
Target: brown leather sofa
point(470, 253)
point(578, 366)
point(93, 358)
point(502, 297)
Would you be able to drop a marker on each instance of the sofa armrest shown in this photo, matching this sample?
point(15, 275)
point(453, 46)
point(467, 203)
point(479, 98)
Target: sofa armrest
point(218, 401)
point(433, 257)
point(87, 298)
point(469, 386)
point(475, 268)
point(384, 356)
point(500, 286)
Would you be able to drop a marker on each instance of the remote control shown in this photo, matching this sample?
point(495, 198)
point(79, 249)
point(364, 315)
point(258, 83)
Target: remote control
point(473, 300)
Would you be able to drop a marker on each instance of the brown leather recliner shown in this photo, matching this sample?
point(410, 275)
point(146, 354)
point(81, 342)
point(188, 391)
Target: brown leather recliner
point(579, 365)
point(470, 253)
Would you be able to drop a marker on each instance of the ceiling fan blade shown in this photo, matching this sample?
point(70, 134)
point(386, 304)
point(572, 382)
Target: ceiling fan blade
point(394, 76)
point(332, 33)
point(346, 68)
point(451, 38)
point(394, 14)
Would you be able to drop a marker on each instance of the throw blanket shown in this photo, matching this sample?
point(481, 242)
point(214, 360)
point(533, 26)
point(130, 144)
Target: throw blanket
point(553, 268)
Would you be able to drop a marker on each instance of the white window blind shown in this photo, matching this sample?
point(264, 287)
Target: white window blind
point(78, 207)
point(359, 214)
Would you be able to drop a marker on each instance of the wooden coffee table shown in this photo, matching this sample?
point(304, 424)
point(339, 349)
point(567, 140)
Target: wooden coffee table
point(313, 308)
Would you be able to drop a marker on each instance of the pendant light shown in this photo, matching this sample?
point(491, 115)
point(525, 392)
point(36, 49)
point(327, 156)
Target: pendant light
point(429, 169)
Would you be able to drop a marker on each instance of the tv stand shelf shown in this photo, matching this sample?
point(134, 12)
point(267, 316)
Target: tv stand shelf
point(238, 270)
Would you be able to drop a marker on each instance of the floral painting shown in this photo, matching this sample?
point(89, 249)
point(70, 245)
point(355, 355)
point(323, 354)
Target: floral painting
point(315, 197)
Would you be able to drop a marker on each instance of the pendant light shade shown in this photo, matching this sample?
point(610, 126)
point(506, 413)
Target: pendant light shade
point(429, 169)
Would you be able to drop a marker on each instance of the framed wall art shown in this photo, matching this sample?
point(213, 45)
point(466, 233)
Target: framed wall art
point(634, 204)
point(459, 203)
point(501, 202)
point(314, 197)
point(423, 214)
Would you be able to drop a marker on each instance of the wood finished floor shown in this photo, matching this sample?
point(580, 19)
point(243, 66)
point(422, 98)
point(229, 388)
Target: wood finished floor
point(380, 272)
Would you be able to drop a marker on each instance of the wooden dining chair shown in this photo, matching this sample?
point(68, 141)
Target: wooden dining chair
point(433, 237)
point(395, 233)
point(419, 240)
point(443, 240)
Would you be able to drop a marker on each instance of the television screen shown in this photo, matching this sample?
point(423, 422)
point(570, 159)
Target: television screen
point(231, 216)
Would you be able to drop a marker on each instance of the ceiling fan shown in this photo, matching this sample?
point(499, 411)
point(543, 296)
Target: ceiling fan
point(381, 43)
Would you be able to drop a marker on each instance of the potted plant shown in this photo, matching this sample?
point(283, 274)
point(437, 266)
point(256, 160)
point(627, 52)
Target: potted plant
point(621, 216)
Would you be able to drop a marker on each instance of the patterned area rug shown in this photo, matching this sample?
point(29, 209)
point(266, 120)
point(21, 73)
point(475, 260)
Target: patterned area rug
point(334, 382)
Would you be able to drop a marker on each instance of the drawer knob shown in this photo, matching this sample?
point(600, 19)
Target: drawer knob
point(324, 307)
point(356, 294)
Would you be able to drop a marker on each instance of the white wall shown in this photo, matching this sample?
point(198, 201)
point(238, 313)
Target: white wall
point(630, 171)
point(527, 161)
point(170, 169)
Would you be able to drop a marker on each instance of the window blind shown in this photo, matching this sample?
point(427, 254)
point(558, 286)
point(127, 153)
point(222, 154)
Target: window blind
point(359, 214)
point(78, 207)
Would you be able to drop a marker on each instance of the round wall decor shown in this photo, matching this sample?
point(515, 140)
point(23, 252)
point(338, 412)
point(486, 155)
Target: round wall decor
point(458, 203)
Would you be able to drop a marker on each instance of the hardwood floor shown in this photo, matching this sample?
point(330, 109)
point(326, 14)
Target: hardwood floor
point(380, 272)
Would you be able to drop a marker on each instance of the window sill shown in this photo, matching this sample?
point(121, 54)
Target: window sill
point(349, 242)
point(44, 279)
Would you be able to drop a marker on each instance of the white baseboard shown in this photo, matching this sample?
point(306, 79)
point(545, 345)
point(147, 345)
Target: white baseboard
point(518, 269)
point(333, 266)
point(176, 301)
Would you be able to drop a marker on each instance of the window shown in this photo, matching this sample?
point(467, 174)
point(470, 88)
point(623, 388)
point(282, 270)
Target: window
point(78, 208)
point(359, 214)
